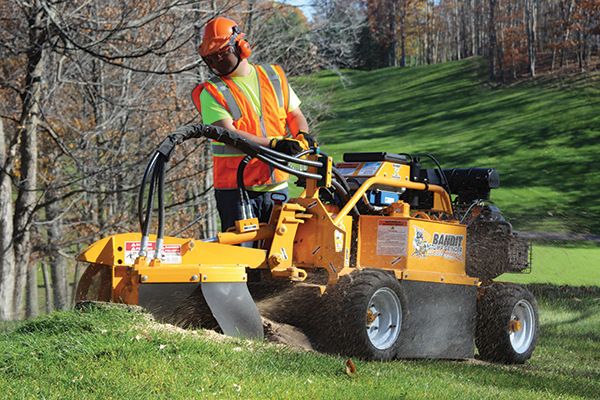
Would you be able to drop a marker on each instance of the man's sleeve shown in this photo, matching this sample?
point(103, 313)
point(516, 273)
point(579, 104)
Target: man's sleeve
point(212, 111)
point(294, 101)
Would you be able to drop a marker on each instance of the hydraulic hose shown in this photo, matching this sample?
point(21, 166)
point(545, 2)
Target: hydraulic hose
point(157, 165)
point(246, 210)
point(161, 207)
point(149, 171)
point(155, 169)
point(441, 171)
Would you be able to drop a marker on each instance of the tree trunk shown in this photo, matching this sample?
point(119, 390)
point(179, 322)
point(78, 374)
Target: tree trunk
point(392, 62)
point(30, 115)
point(7, 255)
point(531, 12)
point(58, 264)
point(457, 27)
point(48, 287)
point(32, 309)
point(210, 217)
point(492, 36)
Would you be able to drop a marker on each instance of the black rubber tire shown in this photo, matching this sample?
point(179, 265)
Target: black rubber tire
point(363, 333)
point(500, 303)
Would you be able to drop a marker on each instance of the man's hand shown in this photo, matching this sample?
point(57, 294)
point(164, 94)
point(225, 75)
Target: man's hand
point(307, 140)
point(287, 146)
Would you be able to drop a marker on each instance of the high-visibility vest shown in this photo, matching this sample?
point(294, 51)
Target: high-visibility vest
point(274, 98)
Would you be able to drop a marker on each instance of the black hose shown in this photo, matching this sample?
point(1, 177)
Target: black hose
point(290, 170)
point(161, 200)
point(441, 171)
point(277, 156)
point(241, 187)
point(149, 169)
point(151, 191)
point(345, 197)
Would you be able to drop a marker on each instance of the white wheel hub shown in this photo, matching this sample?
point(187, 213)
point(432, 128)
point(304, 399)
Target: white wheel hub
point(521, 338)
point(384, 318)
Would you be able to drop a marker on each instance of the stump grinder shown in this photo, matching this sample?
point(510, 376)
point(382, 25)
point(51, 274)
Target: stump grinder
point(378, 258)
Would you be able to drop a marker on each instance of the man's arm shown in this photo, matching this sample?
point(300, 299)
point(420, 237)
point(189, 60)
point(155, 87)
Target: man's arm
point(228, 124)
point(287, 146)
point(297, 121)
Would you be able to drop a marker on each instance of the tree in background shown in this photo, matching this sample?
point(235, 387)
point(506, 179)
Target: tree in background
point(520, 38)
point(279, 35)
point(89, 93)
point(337, 28)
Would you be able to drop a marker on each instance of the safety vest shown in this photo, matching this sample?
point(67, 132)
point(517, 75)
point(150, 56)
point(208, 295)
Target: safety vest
point(274, 98)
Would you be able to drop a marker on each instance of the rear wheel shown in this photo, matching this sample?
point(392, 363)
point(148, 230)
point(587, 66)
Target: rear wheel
point(507, 324)
point(373, 312)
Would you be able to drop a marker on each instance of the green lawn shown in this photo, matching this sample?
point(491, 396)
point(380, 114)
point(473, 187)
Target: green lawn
point(117, 354)
point(543, 135)
point(562, 265)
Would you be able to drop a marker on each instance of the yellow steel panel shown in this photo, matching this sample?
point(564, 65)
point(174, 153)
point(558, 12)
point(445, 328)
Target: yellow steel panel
point(193, 273)
point(383, 242)
point(415, 248)
point(436, 246)
point(123, 250)
point(320, 242)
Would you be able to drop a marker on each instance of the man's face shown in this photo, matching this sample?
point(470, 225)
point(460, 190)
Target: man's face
point(224, 61)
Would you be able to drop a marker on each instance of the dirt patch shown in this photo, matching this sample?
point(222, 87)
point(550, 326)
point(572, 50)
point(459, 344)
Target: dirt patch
point(286, 335)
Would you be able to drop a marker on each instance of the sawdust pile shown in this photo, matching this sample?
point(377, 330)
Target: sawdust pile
point(301, 318)
point(293, 315)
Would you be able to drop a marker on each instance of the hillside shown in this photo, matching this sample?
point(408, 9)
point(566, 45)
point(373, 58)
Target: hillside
point(542, 135)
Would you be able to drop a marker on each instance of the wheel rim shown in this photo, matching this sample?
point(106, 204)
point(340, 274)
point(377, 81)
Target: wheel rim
point(384, 318)
point(521, 339)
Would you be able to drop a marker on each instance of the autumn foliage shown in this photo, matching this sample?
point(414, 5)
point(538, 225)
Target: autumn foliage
point(522, 37)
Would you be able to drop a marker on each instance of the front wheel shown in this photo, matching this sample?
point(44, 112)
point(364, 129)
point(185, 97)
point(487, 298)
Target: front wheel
point(507, 324)
point(373, 312)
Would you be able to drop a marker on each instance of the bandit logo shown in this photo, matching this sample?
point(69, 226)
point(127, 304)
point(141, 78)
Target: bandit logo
point(420, 244)
point(439, 245)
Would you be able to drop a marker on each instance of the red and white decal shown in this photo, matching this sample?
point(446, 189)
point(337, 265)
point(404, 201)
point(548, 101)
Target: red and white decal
point(171, 253)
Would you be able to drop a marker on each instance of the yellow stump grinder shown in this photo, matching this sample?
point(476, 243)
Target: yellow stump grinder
point(378, 258)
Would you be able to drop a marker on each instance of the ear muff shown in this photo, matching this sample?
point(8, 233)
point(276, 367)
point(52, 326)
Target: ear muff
point(244, 49)
point(241, 45)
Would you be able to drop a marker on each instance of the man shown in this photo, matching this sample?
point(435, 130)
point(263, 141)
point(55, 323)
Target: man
point(257, 103)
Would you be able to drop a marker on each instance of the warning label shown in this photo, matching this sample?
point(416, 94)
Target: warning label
point(347, 169)
point(369, 168)
point(392, 237)
point(171, 253)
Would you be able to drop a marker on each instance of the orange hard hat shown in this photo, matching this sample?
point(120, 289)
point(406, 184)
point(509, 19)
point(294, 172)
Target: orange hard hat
point(217, 35)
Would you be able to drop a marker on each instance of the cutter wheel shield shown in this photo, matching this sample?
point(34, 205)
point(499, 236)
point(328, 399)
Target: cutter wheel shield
point(373, 312)
point(507, 324)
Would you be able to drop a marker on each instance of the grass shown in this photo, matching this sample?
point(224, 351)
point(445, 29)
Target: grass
point(112, 352)
point(541, 135)
point(556, 263)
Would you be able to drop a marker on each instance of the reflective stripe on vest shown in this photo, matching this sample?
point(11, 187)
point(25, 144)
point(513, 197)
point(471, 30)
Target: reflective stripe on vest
point(275, 81)
point(222, 150)
point(234, 109)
